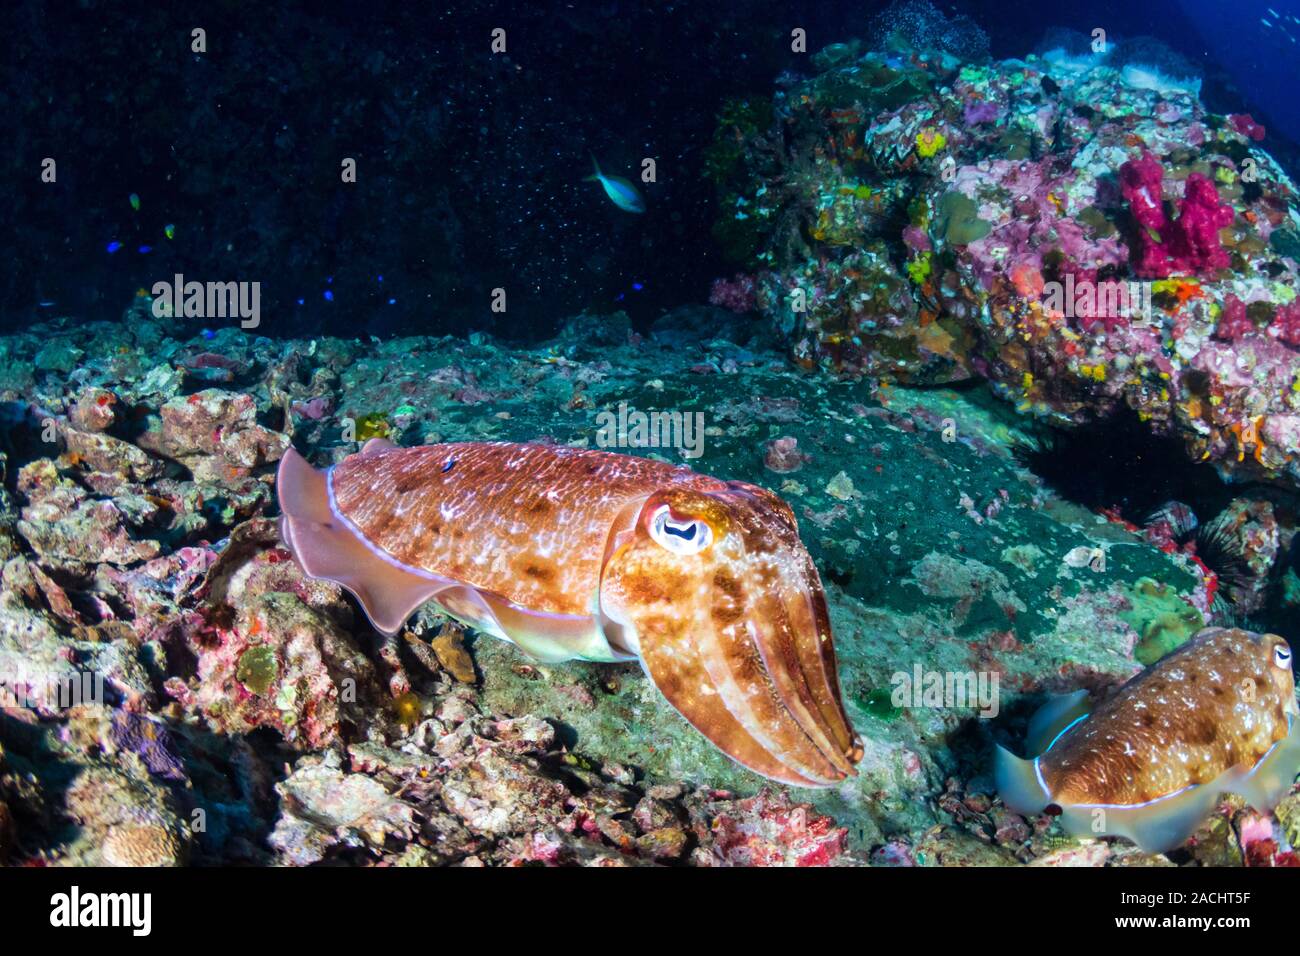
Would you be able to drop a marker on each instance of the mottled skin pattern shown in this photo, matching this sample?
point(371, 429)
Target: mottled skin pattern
point(1219, 701)
point(464, 510)
point(726, 611)
point(727, 625)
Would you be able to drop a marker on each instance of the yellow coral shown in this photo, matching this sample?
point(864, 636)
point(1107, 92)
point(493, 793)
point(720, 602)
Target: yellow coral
point(374, 425)
point(929, 141)
point(919, 268)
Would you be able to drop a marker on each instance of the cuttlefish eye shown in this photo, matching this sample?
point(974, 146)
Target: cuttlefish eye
point(1282, 656)
point(680, 535)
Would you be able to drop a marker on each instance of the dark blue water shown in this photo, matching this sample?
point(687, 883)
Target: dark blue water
point(470, 165)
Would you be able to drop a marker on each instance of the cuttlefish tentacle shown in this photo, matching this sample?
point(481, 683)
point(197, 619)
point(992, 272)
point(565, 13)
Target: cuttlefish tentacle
point(570, 553)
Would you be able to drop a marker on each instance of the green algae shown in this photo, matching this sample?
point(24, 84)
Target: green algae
point(870, 86)
point(1096, 220)
point(958, 221)
point(1015, 144)
point(1162, 619)
point(918, 270)
point(879, 703)
point(257, 669)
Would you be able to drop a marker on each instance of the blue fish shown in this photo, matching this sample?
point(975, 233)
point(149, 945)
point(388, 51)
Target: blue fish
point(621, 192)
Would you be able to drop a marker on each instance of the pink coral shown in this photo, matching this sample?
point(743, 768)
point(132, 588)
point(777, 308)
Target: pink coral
point(1189, 244)
point(736, 294)
point(1245, 124)
point(314, 409)
point(770, 830)
point(981, 111)
point(915, 238)
point(1286, 323)
point(783, 455)
point(1234, 322)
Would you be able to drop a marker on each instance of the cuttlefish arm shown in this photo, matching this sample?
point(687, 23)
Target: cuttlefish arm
point(570, 553)
point(728, 616)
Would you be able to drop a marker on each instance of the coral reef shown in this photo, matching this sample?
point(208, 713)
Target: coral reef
point(969, 251)
point(250, 715)
point(1186, 245)
point(1081, 240)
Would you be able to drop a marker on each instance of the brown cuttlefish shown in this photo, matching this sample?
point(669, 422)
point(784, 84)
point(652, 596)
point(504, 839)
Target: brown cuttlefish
point(1216, 715)
point(572, 553)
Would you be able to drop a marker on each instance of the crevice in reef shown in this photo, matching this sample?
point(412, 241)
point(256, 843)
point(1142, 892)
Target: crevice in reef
point(1119, 466)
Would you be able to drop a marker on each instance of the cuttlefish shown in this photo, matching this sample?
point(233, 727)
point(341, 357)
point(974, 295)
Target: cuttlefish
point(579, 554)
point(1216, 715)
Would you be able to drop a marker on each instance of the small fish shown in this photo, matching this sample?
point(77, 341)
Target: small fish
point(135, 202)
point(621, 192)
point(112, 247)
point(169, 230)
point(1216, 715)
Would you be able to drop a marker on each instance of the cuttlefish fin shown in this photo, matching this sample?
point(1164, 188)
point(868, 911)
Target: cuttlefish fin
point(1018, 780)
point(1052, 718)
point(1018, 783)
point(325, 547)
point(1271, 779)
point(1158, 826)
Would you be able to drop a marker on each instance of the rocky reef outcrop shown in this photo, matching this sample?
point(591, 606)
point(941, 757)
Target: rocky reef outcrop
point(1079, 231)
point(239, 712)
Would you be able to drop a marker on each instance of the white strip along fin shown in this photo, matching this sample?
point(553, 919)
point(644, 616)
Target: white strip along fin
point(327, 547)
point(1159, 825)
point(1018, 780)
